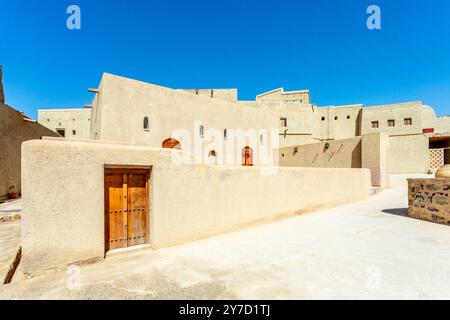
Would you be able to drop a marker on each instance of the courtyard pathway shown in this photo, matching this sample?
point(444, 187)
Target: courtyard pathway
point(9, 235)
point(365, 250)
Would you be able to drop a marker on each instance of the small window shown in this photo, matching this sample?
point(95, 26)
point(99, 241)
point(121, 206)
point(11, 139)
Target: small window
point(200, 131)
point(335, 118)
point(225, 134)
point(375, 124)
point(48, 119)
point(74, 132)
point(348, 117)
point(146, 124)
point(261, 139)
point(391, 123)
point(283, 122)
point(408, 121)
point(323, 118)
point(61, 132)
point(73, 119)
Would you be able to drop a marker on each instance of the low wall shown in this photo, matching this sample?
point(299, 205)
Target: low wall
point(344, 153)
point(368, 151)
point(63, 197)
point(428, 199)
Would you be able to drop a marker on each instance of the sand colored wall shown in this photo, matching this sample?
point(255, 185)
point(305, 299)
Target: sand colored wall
point(344, 153)
point(13, 131)
point(123, 103)
point(408, 154)
point(78, 120)
point(374, 156)
point(369, 151)
point(63, 201)
point(223, 94)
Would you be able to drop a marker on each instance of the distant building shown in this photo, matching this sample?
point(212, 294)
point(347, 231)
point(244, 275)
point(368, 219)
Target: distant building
point(144, 114)
point(68, 123)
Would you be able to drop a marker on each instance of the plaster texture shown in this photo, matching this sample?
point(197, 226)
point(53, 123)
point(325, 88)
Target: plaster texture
point(15, 128)
point(364, 250)
point(76, 123)
point(63, 203)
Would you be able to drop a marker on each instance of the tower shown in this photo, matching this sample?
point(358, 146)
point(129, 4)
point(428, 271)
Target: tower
point(2, 95)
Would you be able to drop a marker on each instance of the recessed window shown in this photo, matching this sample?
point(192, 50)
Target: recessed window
point(61, 132)
point(146, 124)
point(375, 124)
point(283, 122)
point(408, 121)
point(200, 131)
point(348, 117)
point(74, 132)
point(225, 134)
point(73, 119)
point(261, 139)
point(323, 118)
point(335, 118)
point(391, 123)
point(48, 119)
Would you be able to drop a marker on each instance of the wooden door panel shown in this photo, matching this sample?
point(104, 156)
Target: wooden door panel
point(115, 212)
point(137, 209)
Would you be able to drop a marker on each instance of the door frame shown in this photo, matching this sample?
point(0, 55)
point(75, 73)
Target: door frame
point(120, 169)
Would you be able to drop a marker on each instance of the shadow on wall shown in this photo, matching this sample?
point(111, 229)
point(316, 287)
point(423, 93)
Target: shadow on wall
point(403, 212)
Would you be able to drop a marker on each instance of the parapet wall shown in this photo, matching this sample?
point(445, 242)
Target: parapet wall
point(63, 197)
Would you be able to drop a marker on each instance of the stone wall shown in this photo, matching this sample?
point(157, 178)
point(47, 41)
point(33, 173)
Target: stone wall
point(429, 199)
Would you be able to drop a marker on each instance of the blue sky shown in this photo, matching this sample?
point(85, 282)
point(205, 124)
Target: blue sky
point(255, 46)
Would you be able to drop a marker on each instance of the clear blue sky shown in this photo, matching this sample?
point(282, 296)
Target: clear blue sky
point(255, 46)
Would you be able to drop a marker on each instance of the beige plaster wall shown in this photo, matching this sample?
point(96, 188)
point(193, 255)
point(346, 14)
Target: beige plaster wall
point(374, 156)
point(124, 103)
point(223, 94)
point(408, 154)
point(13, 131)
point(75, 122)
point(63, 201)
point(344, 153)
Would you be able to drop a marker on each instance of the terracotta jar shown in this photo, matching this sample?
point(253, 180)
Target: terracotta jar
point(443, 172)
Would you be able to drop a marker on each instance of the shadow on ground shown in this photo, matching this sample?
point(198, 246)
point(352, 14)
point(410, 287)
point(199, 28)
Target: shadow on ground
point(403, 212)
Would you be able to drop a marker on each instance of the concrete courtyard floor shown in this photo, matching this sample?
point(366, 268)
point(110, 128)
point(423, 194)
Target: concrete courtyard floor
point(365, 250)
point(9, 235)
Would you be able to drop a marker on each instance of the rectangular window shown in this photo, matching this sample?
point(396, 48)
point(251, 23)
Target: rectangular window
point(61, 132)
point(283, 122)
point(391, 123)
point(375, 124)
point(74, 132)
point(408, 122)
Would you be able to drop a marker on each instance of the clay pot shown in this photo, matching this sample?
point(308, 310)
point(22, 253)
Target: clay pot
point(443, 172)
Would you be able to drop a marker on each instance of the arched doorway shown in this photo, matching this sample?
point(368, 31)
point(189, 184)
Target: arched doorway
point(247, 157)
point(171, 144)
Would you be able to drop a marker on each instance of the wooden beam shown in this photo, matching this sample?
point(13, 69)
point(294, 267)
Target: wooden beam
point(94, 90)
point(90, 106)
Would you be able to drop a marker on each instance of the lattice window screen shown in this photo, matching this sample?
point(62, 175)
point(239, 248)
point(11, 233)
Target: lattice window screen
point(435, 159)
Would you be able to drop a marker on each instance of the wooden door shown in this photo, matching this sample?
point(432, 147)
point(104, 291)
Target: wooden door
point(115, 211)
point(247, 156)
point(126, 207)
point(137, 209)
